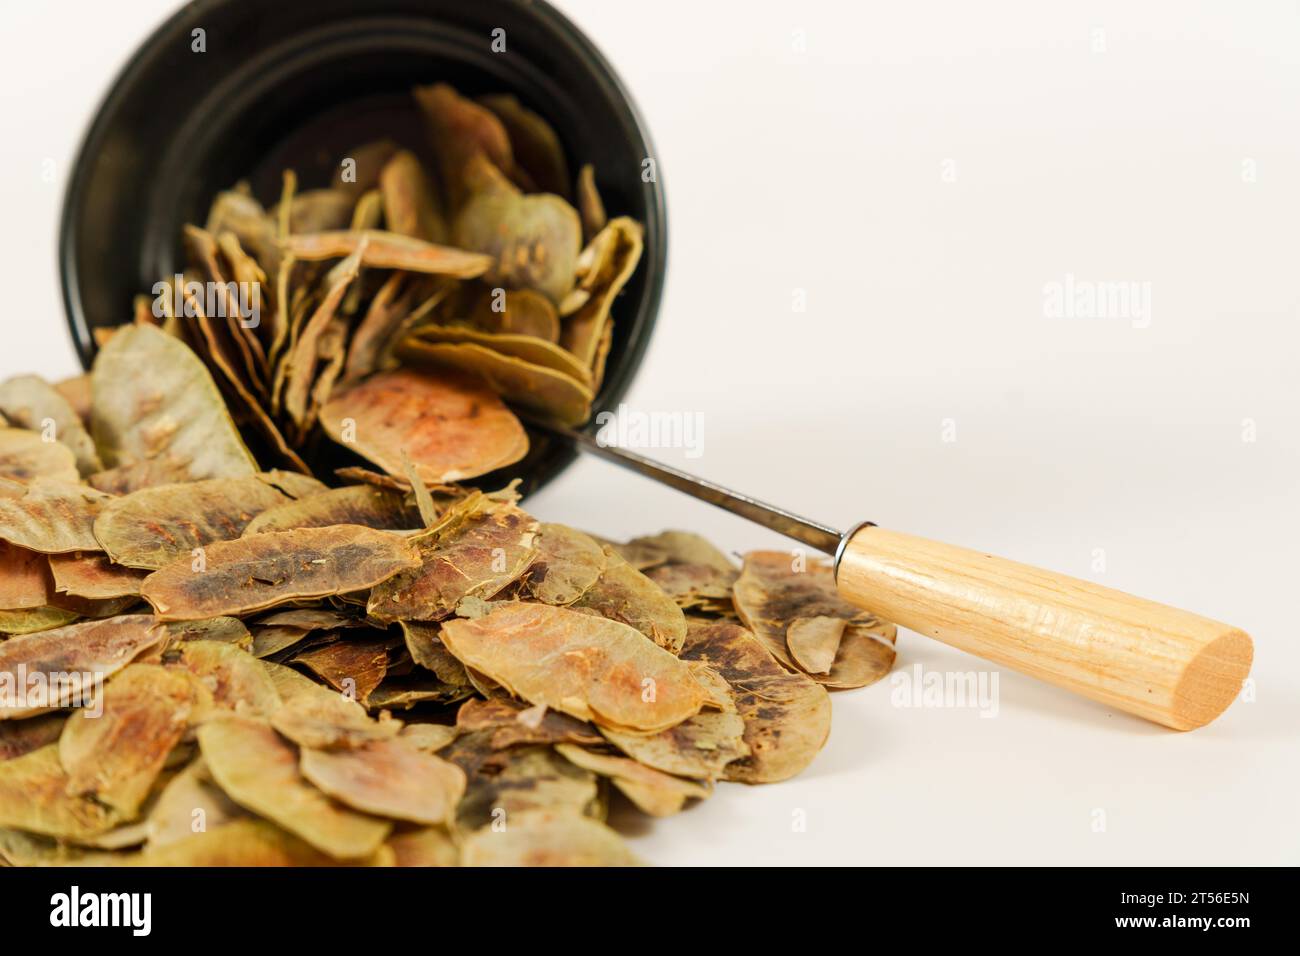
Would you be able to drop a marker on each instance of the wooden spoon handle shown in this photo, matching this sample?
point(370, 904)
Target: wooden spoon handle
point(1170, 666)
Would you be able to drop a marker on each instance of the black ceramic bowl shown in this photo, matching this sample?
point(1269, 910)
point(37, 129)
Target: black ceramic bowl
point(296, 83)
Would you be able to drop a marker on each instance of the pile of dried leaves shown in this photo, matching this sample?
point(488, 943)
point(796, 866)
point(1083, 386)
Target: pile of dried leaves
point(209, 663)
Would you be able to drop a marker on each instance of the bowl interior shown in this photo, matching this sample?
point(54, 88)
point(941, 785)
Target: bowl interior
point(296, 86)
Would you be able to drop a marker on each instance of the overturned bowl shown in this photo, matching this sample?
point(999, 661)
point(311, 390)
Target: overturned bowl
point(295, 85)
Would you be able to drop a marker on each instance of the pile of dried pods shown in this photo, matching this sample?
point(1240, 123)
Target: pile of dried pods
point(209, 663)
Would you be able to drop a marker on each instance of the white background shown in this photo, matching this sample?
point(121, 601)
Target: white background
point(804, 146)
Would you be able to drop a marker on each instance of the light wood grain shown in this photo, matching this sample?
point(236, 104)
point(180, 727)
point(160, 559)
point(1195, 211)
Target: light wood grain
point(1169, 666)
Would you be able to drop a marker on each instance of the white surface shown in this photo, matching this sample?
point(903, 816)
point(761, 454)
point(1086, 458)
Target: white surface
point(823, 170)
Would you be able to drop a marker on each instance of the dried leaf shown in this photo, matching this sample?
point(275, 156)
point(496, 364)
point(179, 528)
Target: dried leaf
point(526, 348)
point(548, 840)
point(518, 312)
point(248, 843)
point(504, 785)
point(479, 547)
point(533, 142)
point(114, 756)
point(389, 310)
point(300, 365)
point(681, 547)
point(34, 797)
point(402, 693)
point(352, 667)
point(376, 480)
point(700, 747)
point(326, 720)
point(32, 620)
point(428, 737)
point(257, 769)
point(363, 505)
point(26, 456)
point(189, 800)
point(587, 666)
point(424, 846)
point(52, 517)
point(814, 641)
point(279, 632)
point(18, 737)
point(318, 210)
point(93, 576)
point(614, 254)
point(72, 659)
point(76, 392)
point(590, 206)
point(787, 715)
point(152, 527)
point(226, 630)
point(292, 484)
point(155, 402)
point(241, 214)
point(696, 586)
point(658, 794)
point(460, 130)
point(388, 250)
point(774, 590)
point(420, 492)
point(451, 427)
point(624, 594)
point(567, 565)
point(233, 677)
point(264, 570)
point(544, 390)
point(25, 580)
point(28, 401)
point(505, 719)
point(367, 162)
point(427, 650)
point(388, 778)
point(409, 202)
point(533, 241)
